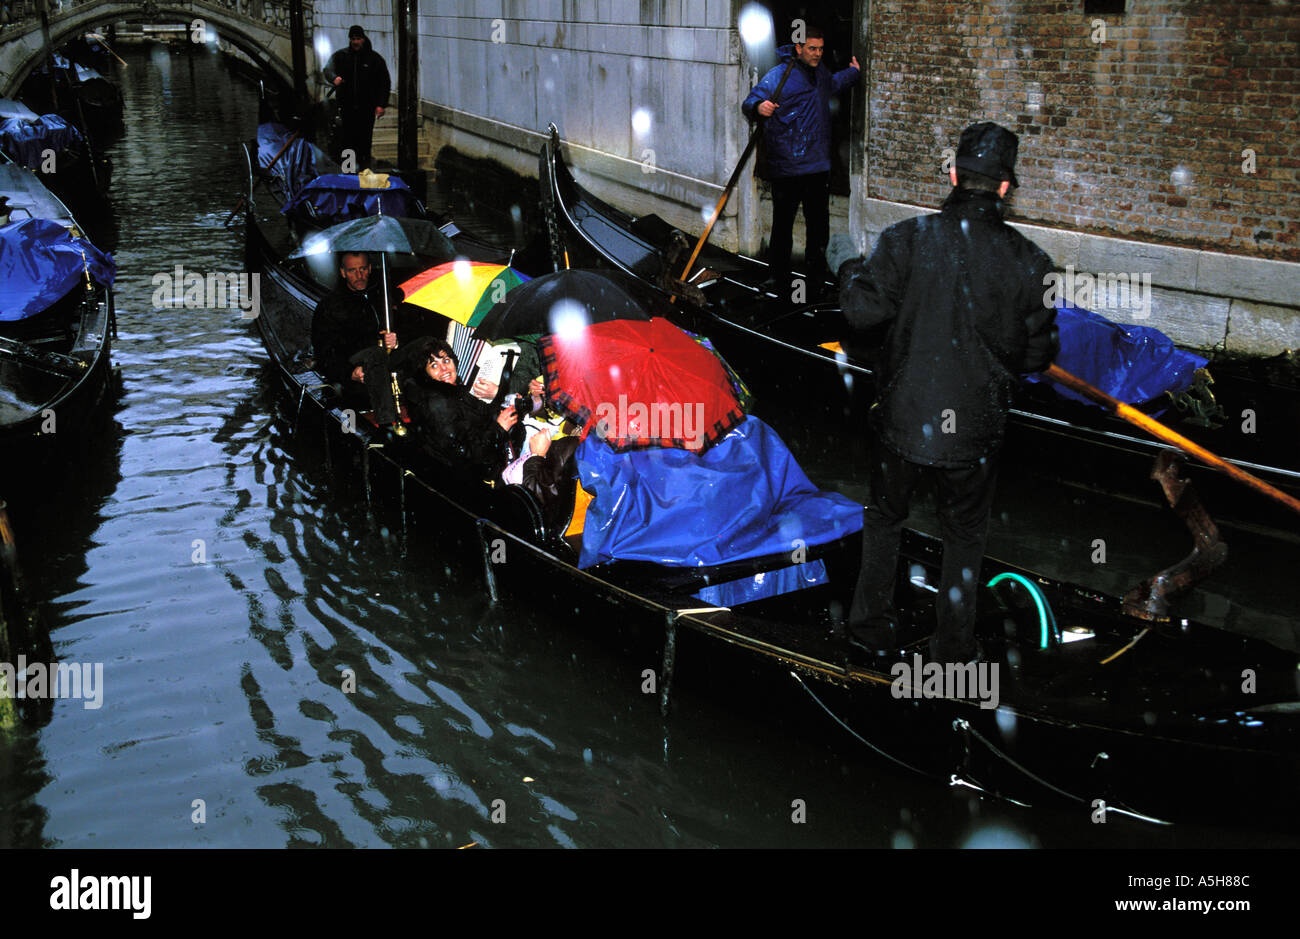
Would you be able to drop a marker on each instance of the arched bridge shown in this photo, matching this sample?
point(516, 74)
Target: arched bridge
point(259, 28)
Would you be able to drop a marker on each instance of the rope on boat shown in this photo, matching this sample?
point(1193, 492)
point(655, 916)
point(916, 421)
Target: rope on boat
point(963, 724)
point(835, 717)
point(1110, 658)
point(956, 782)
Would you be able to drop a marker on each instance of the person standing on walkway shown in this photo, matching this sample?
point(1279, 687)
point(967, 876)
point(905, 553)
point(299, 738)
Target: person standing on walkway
point(360, 78)
point(796, 153)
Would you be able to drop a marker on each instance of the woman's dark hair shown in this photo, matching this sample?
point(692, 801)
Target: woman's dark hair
point(438, 347)
point(417, 355)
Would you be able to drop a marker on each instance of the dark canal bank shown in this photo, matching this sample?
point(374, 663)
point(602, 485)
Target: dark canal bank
point(226, 580)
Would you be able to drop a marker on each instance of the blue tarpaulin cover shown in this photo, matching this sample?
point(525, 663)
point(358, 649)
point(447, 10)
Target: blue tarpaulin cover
point(337, 198)
point(25, 141)
point(745, 497)
point(300, 163)
point(40, 262)
point(1131, 363)
point(767, 584)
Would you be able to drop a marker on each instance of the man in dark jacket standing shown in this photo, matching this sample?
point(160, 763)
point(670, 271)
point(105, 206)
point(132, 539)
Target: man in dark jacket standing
point(796, 155)
point(963, 294)
point(361, 80)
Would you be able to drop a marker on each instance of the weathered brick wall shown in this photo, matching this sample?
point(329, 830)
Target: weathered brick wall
point(1140, 136)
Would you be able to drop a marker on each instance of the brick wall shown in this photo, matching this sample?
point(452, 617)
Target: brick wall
point(1140, 136)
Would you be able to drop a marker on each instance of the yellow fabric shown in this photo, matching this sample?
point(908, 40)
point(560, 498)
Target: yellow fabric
point(580, 502)
point(369, 180)
point(456, 294)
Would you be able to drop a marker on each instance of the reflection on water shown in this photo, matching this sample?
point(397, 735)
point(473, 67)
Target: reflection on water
point(279, 670)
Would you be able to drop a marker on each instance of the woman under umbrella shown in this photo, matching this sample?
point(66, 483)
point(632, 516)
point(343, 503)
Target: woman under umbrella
point(451, 422)
point(456, 427)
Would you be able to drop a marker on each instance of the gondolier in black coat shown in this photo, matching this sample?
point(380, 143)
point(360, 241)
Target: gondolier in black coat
point(964, 296)
point(360, 78)
point(346, 335)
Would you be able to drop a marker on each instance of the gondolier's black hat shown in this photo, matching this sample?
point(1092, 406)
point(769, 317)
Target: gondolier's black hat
point(356, 32)
point(989, 149)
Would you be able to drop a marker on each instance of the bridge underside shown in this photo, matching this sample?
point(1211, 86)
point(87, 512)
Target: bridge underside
point(23, 50)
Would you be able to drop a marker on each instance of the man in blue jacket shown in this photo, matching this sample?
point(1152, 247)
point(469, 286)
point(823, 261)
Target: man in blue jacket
point(962, 292)
point(796, 153)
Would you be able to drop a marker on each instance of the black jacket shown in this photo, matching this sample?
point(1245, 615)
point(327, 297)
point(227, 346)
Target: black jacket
point(365, 78)
point(345, 322)
point(963, 293)
point(456, 427)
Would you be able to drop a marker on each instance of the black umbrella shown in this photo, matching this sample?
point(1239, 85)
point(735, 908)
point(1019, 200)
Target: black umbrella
point(385, 234)
point(569, 300)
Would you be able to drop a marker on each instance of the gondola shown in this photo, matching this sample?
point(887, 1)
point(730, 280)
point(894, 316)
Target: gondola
point(1246, 415)
point(55, 150)
point(1098, 709)
point(55, 360)
point(79, 93)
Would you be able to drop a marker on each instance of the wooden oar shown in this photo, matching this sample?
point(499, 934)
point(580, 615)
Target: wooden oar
point(735, 177)
point(1161, 432)
point(104, 42)
point(275, 159)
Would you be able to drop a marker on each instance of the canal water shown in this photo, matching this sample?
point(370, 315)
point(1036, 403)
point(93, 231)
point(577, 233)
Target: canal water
point(226, 580)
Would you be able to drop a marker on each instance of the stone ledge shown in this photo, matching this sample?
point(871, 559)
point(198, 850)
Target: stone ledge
point(618, 180)
point(1187, 269)
point(1203, 299)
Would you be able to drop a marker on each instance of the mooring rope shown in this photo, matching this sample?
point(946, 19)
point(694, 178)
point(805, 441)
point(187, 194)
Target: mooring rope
point(962, 724)
point(835, 717)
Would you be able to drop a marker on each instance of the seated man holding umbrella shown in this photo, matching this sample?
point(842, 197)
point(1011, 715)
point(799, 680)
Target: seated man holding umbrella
point(351, 343)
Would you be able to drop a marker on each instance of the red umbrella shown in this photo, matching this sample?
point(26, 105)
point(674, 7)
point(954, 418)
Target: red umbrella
point(640, 384)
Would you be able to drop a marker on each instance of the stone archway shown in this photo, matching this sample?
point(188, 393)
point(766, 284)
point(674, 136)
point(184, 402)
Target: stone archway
point(258, 28)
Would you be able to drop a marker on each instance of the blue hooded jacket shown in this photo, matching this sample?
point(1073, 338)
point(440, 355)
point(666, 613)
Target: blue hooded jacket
point(797, 137)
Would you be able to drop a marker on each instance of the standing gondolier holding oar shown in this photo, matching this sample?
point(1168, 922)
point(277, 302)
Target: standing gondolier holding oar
point(796, 155)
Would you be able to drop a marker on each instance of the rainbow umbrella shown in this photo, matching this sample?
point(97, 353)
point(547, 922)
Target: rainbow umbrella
point(462, 290)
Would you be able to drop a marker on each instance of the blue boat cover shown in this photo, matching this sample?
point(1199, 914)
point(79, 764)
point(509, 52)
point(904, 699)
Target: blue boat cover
point(40, 262)
point(744, 497)
point(767, 584)
point(298, 165)
point(1131, 363)
point(338, 198)
point(25, 141)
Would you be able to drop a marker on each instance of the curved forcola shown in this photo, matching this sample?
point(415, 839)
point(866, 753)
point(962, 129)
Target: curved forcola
point(919, 679)
point(657, 420)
